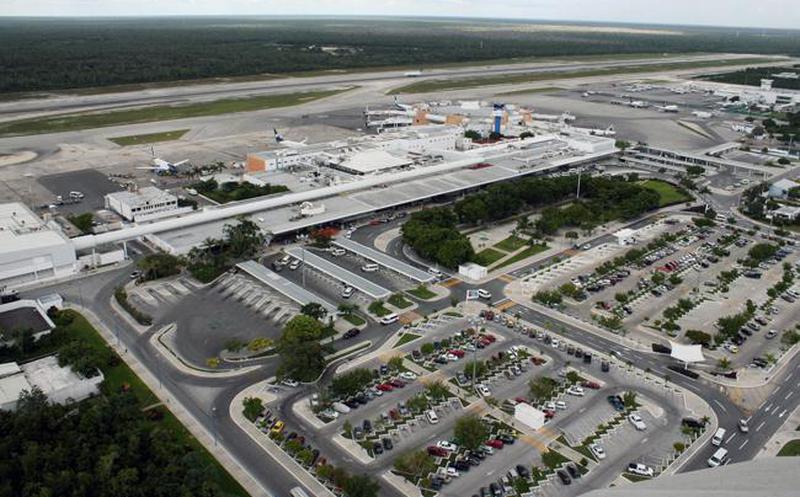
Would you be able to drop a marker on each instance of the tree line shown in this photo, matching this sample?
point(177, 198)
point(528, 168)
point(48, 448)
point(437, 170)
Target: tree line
point(49, 54)
point(434, 234)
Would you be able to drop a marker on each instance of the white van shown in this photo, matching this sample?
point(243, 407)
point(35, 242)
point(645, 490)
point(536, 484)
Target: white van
point(432, 417)
point(718, 437)
point(719, 458)
point(390, 318)
point(484, 294)
point(370, 268)
point(435, 272)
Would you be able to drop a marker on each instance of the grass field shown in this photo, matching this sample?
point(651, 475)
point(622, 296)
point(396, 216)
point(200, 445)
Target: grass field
point(165, 136)
point(121, 376)
point(406, 338)
point(511, 244)
point(399, 301)
point(669, 194)
point(354, 319)
point(75, 122)
point(791, 449)
point(528, 252)
point(422, 293)
point(432, 85)
point(489, 256)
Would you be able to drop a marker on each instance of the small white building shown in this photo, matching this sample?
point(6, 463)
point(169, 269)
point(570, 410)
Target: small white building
point(529, 415)
point(780, 189)
point(30, 249)
point(472, 271)
point(785, 213)
point(144, 204)
point(626, 236)
point(59, 384)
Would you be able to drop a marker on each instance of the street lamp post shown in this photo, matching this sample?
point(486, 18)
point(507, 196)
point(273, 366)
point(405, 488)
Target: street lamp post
point(214, 423)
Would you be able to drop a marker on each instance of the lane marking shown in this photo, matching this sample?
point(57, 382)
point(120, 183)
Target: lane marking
point(760, 426)
point(743, 444)
point(730, 437)
point(768, 407)
point(720, 405)
point(782, 413)
point(788, 395)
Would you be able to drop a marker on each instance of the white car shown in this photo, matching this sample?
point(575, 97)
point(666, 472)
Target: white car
point(561, 405)
point(289, 383)
point(347, 292)
point(640, 469)
point(451, 357)
point(408, 375)
point(483, 390)
point(377, 391)
point(549, 406)
point(452, 472)
point(554, 343)
point(598, 451)
point(637, 421)
point(576, 391)
point(484, 294)
point(733, 349)
point(448, 446)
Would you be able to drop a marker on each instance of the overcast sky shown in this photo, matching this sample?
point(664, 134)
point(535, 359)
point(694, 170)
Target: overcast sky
point(749, 13)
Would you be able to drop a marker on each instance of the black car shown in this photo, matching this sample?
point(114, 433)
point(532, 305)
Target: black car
point(604, 366)
point(461, 465)
point(573, 471)
point(436, 483)
point(693, 423)
point(352, 403)
point(474, 461)
point(484, 492)
point(361, 399)
point(522, 471)
point(495, 489)
point(506, 439)
point(387, 443)
point(367, 425)
point(377, 448)
point(384, 369)
point(478, 453)
point(564, 477)
point(352, 332)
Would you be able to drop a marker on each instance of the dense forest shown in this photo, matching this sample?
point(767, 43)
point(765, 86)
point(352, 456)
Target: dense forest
point(752, 76)
point(49, 54)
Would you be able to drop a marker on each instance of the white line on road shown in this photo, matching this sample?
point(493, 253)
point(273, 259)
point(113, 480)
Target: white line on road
point(788, 395)
point(730, 437)
point(720, 405)
point(743, 444)
point(760, 426)
point(768, 407)
point(783, 413)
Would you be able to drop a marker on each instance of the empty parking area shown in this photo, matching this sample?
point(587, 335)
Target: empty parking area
point(263, 301)
point(283, 286)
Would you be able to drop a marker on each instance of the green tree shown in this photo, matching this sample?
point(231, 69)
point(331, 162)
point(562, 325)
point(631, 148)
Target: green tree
point(253, 407)
point(542, 388)
point(83, 222)
point(470, 431)
point(155, 266)
point(314, 310)
point(395, 363)
point(361, 486)
point(301, 355)
point(437, 390)
point(415, 464)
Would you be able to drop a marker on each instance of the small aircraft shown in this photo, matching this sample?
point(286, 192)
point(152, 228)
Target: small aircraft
point(400, 106)
point(667, 108)
point(161, 166)
point(288, 143)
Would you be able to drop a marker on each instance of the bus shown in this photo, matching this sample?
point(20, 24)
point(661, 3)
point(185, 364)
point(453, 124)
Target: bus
point(298, 492)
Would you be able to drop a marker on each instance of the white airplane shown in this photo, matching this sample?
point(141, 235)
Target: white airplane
point(161, 166)
point(401, 106)
point(288, 143)
point(637, 104)
point(667, 108)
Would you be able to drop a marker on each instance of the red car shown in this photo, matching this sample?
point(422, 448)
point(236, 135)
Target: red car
point(537, 361)
point(495, 443)
point(548, 414)
point(521, 399)
point(437, 451)
point(458, 353)
point(394, 414)
point(591, 384)
point(490, 337)
point(385, 387)
point(397, 383)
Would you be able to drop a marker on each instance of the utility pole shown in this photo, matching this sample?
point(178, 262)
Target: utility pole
point(303, 269)
point(578, 193)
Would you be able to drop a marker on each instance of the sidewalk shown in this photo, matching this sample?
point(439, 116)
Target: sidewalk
point(290, 465)
point(220, 453)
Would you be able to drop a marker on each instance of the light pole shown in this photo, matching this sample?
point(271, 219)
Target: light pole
point(214, 423)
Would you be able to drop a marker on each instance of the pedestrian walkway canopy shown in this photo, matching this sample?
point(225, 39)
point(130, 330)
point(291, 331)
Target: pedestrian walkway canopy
point(325, 266)
point(385, 260)
point(283, 286)
point(687, 353)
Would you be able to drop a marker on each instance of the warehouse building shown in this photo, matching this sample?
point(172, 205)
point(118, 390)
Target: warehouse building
point(30, 249)
point(144, 204)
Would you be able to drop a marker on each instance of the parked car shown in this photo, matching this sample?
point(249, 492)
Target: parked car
point(598, 451)
point(564, 477)
point(351, 333)
point(495, 443)
point(640, 469)
point(446, 445)
point(437, 451)
point(637, 421)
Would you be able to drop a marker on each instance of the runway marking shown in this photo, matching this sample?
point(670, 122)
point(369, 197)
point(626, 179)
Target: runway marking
point(788, 395)
point(743, 444)
point(720, 405)
point(730, 437)
point(760, 426)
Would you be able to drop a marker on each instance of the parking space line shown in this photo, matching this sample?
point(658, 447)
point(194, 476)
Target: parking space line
point(761, 425)
point(743, 444)
point(788, 395)
point(730, 437)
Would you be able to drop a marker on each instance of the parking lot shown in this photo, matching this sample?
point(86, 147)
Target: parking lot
point(93, 184)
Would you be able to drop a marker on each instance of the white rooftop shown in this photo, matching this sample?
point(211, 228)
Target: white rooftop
point(46, 374)
point(785, 184)
point(20, 228)
point(372, 160)
point(143, 196)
